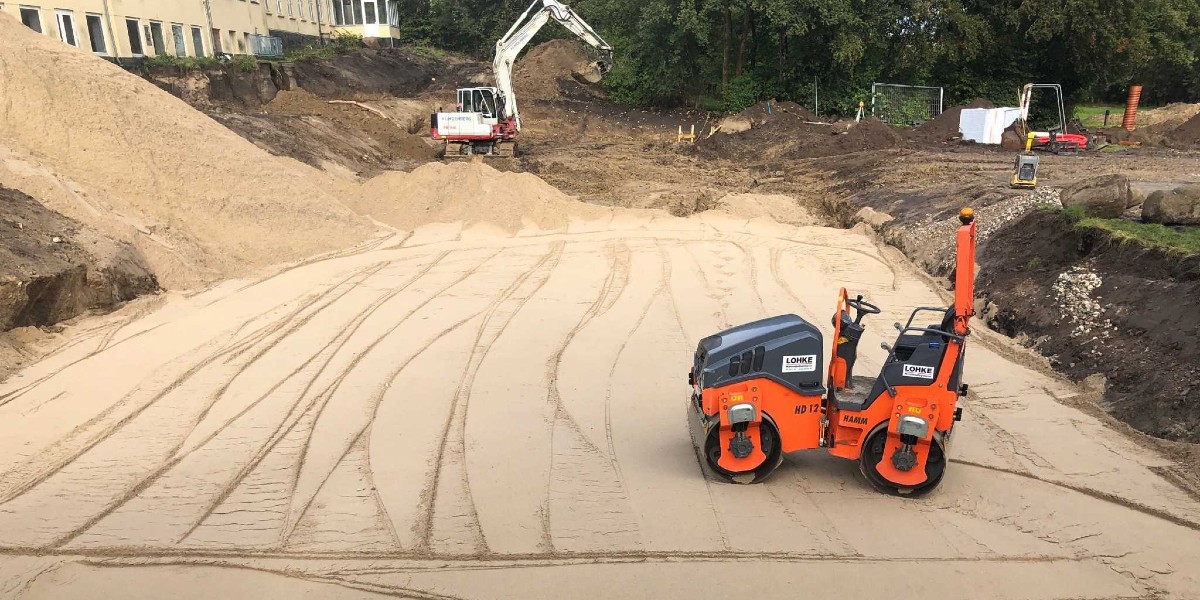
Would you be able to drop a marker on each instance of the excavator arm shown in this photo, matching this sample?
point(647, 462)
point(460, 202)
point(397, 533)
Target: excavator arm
point(522, 32)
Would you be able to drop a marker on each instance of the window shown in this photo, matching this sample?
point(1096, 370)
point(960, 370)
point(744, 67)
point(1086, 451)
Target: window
point(369, 12)
point(156, 38)
point(290, 9)
point(96, 34)
point(383, 12)
point(32, 18)
point(216, 38)
point(300, 8)
point(198, 41)
point(134, 29)
point(177, 39)
point(66, 27)
point(278, 5)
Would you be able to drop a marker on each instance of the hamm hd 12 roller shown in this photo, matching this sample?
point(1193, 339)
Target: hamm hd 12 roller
point(758, 391)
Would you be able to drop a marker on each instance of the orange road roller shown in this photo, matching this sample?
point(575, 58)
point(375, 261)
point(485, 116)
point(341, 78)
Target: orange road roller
point(758, 391)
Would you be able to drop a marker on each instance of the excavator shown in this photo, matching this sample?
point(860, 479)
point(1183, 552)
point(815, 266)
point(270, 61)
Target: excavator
point(486, 120)
point(758, 391)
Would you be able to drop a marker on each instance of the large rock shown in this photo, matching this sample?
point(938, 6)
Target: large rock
point(1106, 197)
point(1180, 206)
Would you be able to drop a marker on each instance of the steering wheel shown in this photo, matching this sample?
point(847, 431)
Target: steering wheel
point(863, 307)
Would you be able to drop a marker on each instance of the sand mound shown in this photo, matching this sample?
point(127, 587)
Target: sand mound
point(777, 207)
point(542, 72)
point(111, 150)
point(470, 193)
point(944, 126)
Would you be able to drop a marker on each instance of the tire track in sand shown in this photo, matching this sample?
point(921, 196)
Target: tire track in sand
point(40, 467)
point(455, 422)
point(378, 396)
point(347, 333)
point(181, 453)
point(377, 400)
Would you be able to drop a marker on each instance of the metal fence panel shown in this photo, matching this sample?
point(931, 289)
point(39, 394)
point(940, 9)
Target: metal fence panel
point(265, 45)
point(899, 104)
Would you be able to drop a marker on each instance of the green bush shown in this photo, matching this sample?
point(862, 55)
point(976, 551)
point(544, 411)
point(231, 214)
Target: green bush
point(345, 41)
point(740, 94)
point(185, 62)
point(245, 62)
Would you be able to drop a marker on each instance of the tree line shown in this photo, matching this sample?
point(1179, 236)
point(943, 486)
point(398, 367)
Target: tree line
point(729, 53)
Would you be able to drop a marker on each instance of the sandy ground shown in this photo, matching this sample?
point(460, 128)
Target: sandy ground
point(471, 415)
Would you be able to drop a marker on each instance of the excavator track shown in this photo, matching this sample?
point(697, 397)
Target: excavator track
point(459, 150)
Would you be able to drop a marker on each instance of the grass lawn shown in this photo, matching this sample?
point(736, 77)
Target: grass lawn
point(1093, 116)
point(1181, 239)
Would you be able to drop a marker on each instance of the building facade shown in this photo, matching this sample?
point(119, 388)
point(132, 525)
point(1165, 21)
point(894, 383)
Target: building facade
point(140, 28)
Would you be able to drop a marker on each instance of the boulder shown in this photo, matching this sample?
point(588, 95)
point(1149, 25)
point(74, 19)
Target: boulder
point(1106, 196)
point(1136, 196)
point(1180, 206)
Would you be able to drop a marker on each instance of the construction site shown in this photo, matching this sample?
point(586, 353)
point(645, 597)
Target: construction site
point(267, 336)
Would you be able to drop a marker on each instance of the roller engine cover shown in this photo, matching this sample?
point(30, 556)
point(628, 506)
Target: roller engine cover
point(786, 349)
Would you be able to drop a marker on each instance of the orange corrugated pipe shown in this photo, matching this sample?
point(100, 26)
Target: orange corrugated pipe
point(1135, 94)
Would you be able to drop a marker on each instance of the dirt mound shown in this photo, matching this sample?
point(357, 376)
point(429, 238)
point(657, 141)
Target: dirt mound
point(944, 126)
point(793, 138)
point(52, 268)
point(1169, 116)
point(1187, 135)
point(765, 112)
point(470, 193)
point(554, 69)
point(111, 150)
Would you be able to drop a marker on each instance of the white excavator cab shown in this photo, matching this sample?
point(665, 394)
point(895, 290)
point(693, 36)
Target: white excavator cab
point(483, 100)
point(474, 117)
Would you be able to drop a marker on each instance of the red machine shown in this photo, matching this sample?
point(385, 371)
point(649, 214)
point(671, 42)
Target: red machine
point(758, 391)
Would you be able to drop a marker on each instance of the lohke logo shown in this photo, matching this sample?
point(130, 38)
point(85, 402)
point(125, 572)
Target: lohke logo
point(918, 371)
point(804, 363)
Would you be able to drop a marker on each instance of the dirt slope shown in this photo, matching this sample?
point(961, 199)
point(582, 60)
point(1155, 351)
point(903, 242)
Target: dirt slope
point(53, 268)
point(114, 152)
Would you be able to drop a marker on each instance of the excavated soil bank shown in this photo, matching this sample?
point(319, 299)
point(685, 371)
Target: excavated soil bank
point(1097, 306)
point(52, 268)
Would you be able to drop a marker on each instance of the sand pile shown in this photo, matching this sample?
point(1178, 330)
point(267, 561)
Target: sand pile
point(944, 126)
point(471, 193)
point(542, 72)
point(777, 207)
point(111, 150)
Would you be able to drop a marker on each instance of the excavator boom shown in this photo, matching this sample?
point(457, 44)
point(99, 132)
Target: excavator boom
point(519, 35)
